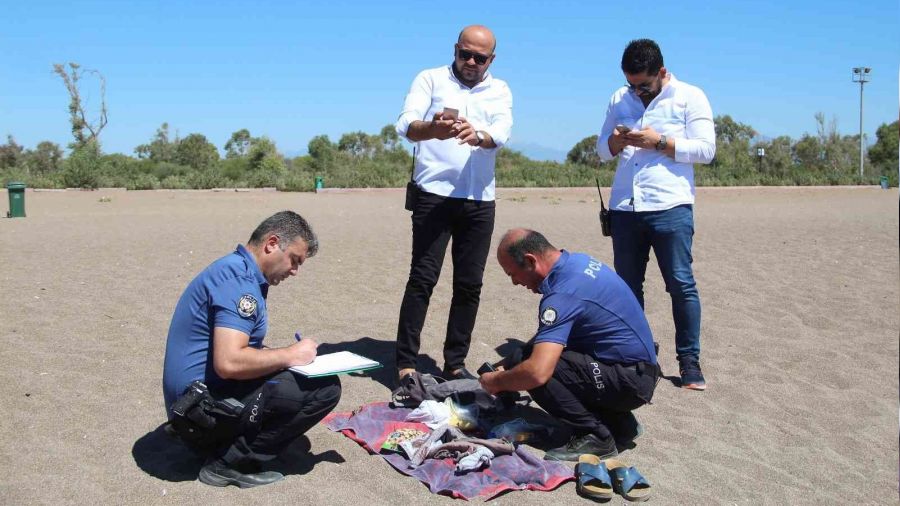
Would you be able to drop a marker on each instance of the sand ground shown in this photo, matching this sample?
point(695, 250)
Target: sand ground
point(800, 342)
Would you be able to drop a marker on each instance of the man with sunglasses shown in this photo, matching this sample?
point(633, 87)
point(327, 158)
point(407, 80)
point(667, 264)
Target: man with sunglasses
point(659, 127)
point(458, 115)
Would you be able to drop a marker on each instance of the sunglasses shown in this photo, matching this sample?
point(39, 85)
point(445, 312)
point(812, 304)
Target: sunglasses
point(644, 87)
point(480, 59)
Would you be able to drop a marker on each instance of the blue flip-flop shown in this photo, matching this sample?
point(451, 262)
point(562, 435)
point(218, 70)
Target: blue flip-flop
point(594, 482)
point(628, 481)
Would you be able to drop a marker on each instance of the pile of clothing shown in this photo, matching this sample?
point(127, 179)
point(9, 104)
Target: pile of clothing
point(442, 433)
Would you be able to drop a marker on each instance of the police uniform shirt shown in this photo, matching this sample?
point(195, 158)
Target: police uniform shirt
point(230, 293)
point(587, 308)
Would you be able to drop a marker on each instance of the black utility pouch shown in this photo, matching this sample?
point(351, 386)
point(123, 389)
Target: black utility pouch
point(605, 215)
point(197, 415)
point(412, 194)
point(193, 395)
point(412, 189)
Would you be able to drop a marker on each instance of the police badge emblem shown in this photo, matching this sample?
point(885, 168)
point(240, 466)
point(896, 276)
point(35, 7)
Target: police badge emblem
point(548, 317)
point(246, 306)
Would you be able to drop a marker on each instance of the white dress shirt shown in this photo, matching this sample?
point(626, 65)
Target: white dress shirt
point(647, 179)
point(445, 167)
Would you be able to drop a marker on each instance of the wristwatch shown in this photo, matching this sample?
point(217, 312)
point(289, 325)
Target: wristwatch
point(480, 138)
point(663, 142)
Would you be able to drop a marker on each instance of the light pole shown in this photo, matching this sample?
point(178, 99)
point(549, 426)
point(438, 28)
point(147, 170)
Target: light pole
point(760, 153)
point(861, 76)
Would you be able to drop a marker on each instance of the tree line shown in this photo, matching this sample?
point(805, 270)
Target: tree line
point(360, 160)
point(381, 160)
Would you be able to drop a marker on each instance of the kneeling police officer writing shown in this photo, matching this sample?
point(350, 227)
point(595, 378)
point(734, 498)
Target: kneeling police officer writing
point(227, 395)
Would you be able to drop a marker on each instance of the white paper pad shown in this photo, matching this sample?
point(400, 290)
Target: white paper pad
point(335, 363)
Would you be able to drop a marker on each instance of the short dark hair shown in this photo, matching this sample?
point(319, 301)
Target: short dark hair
point(533, 242)
point(642, 55)
point(288, 226)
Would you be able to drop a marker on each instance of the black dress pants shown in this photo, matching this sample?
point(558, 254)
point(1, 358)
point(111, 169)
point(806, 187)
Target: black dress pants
point(277, 410)
point(594, 397)
point(435, 221)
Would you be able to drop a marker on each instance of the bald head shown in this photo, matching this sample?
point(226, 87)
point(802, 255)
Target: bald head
point(478, 35)
point(526, 257)
point(518, 242)
point(473, 53)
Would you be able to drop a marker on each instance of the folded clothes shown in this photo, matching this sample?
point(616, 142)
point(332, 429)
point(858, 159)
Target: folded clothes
point(481, 457)
point(431, 413)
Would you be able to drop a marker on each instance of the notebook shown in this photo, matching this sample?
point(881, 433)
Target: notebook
point(336, 363)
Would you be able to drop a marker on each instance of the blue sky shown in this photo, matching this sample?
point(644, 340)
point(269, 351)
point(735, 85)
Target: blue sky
point(293, 70)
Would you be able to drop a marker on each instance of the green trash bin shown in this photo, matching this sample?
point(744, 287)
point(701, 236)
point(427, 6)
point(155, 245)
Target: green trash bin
point(16, 193)
point(320, 182)
point(884, 182)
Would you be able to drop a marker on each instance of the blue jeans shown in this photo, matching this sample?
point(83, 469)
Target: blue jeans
point(670, 234)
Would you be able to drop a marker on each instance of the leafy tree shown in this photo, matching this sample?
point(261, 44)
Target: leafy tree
point(46, 158)
point(160, 149)
point(361, 145)
point(83, 130)
point(777, 161)
point(728, 130)
point(585, 152)
point(809, 153)
point(732, 146)
point(82, 168)
point(322, 151)
point(841, 153)
point(260, 149)
point(238, 144)
point(10, 153)
point(197, 152)
point(883, 154)
point(390, 139)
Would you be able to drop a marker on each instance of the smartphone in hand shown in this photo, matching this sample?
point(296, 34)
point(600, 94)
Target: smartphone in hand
point(485, 368)
point(450, 113)
point(623, 129)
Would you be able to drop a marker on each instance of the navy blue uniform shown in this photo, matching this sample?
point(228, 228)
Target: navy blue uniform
point(608, 366)
point(231, 293)
point(586, 308)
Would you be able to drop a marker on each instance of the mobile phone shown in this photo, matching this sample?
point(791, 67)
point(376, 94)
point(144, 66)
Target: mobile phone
point(450, 113)
point(623, 129)
point(485, 368)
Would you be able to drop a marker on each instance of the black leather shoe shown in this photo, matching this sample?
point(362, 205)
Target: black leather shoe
point(218, 474)
point(579, 445)
point(458, 374)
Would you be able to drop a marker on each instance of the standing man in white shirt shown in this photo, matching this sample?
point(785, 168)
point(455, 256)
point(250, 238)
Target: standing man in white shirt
point(659, 127)
point(458, 115)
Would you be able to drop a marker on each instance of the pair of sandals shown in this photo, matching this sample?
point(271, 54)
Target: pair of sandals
point(598, 479)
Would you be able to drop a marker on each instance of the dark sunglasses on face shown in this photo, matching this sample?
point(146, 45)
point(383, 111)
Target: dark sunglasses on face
point(645, 87)
point(464, 55)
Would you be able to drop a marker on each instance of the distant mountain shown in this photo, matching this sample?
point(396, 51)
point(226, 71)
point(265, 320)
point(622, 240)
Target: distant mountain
point(538, 152)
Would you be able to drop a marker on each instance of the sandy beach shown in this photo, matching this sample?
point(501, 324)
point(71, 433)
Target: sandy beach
point(800, 290)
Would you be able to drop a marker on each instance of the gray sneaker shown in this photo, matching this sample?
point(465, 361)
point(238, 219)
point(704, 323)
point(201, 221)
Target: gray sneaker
point(579, 445)
point(218, 474)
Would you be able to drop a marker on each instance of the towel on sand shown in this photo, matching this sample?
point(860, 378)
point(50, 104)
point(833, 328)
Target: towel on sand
point(518, 471)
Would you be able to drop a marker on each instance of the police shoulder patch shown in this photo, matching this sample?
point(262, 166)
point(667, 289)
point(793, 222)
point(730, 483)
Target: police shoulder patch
point(548, 316)
point(247, 305)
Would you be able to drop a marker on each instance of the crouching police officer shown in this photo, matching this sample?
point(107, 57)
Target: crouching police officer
point(226, 394)
point(592, 360)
